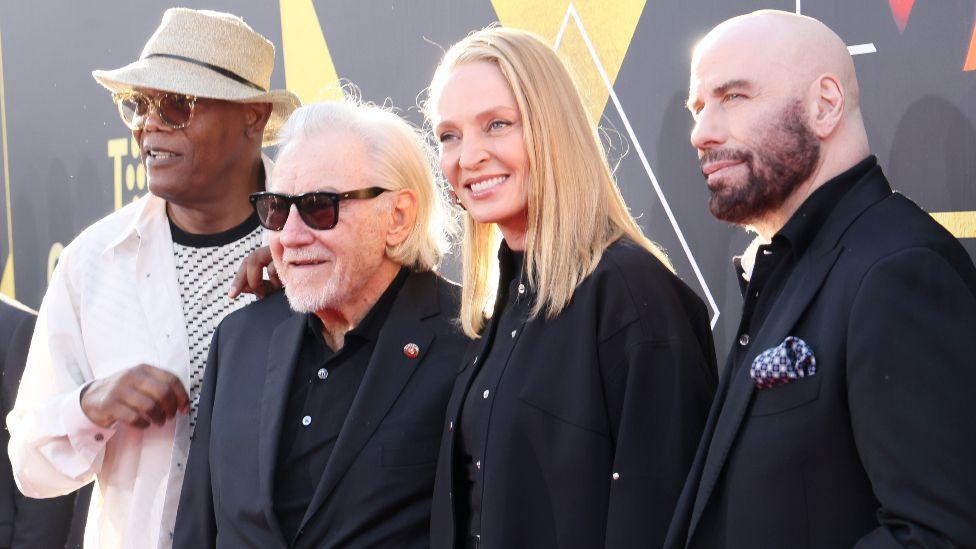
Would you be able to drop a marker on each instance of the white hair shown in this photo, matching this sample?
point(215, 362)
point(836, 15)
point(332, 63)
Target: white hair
point(399, 158)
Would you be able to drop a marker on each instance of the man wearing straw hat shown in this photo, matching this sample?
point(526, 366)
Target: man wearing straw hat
point(109, 392)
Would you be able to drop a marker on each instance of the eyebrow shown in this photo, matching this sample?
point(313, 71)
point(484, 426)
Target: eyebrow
point(482, 114)
point(719, 91)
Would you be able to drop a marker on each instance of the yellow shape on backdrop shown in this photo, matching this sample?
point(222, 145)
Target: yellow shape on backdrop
point(609, 26)
point(309, 71)
point(960, 224)
point(7, 282)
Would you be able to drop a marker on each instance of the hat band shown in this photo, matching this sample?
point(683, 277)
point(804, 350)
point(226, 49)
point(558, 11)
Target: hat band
point(219, 70)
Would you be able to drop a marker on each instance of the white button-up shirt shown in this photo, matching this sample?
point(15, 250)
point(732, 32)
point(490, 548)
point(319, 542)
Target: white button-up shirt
point(113, 303)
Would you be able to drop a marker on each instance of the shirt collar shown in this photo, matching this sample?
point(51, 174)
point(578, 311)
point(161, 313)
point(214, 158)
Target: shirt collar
point(369, 328)
point(152, 210)
point(806, 222)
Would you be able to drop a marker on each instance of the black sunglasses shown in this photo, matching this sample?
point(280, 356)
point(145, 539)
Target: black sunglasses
point(319, 210)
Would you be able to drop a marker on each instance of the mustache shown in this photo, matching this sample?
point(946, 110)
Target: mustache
point(723, 155)
point(301, 255)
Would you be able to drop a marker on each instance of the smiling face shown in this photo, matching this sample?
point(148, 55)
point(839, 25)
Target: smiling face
point(482, 151)
point(327, 269)
point(751, 132)
point(187, 166)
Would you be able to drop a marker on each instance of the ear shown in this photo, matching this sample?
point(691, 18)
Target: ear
point(404, 216)
point(256, 116)
point(829, 104)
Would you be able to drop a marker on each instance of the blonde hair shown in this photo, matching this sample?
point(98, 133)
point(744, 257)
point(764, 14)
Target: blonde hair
point(399, 158)
point(575, 209)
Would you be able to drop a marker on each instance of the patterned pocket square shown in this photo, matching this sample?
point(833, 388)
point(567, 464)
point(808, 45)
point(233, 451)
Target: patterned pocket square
point(790, 360)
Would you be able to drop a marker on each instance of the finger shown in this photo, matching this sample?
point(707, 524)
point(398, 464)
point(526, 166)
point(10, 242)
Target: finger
point(182, 398)
point(161, 394)
point(171, 385)
point(237, 285)
point(273, 277)
point(255, 275)
point(143, 406)
point(155, 385)
point(129, 416)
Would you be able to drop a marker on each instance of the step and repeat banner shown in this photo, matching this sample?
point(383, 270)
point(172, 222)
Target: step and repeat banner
point(67, 160)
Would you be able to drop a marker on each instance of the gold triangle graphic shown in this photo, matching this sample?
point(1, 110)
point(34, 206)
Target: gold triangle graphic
point(960, 224)
point(309, 71)
point(7, 285)
point(608, 26)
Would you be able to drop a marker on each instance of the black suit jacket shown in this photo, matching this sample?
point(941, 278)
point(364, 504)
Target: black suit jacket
point(24, 522)
point(618, 382)
point(376, 489)
point(877, 448)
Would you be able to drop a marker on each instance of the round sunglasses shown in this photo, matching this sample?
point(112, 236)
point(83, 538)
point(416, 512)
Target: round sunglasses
point(174, 109)
point(319, 210)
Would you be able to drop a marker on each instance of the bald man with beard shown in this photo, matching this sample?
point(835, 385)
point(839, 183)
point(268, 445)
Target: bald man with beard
point(844, 416)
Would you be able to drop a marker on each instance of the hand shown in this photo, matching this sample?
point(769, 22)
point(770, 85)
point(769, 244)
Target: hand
point(250, 275)
point(139, 396)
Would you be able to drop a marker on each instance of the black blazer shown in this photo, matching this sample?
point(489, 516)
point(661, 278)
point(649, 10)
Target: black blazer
point(24, 522)
point(877, 448)
point(376, 489)
point(619, 382)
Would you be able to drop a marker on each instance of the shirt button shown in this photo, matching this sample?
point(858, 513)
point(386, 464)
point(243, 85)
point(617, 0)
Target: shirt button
point(513, 332)
point(475, 361)
point(477, 464)
point(744, 339)
point(615, 476)
point(323, 373)
point(450, 426)
point(485, 394)
point(521, 288)
point(307, 420)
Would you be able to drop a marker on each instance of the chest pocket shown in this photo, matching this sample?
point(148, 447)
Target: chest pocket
point(786, 397)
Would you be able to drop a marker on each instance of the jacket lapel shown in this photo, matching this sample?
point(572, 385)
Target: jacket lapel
point(285, 344)
point(799, 290)
point(387, 374)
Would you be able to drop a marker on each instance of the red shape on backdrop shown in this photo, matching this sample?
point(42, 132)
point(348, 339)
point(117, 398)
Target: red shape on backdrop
point(901, 10)
point(970, 64)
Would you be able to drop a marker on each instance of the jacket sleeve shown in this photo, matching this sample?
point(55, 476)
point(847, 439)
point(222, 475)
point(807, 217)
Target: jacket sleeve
point(658, 398)
point(911, 372)
point(54, 448)
point(37, 523)
point(196, 525)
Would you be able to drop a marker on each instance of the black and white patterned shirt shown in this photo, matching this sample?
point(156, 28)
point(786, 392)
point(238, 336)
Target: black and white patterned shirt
point(205, 268)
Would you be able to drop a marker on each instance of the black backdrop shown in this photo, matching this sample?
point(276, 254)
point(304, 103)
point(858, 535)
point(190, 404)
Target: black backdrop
point(67, 160)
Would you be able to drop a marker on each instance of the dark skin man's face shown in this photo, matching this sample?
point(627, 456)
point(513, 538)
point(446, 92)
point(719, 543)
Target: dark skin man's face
point(186, 166)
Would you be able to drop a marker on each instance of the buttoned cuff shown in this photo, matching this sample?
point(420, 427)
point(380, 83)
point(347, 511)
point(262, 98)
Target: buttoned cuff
point(87, 438)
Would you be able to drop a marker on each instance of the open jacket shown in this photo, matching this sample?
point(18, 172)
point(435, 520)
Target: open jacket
point(375, 490)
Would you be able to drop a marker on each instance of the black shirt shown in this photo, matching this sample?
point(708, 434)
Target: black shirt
point(511, 311)
point(775, 261)
point(322, 391)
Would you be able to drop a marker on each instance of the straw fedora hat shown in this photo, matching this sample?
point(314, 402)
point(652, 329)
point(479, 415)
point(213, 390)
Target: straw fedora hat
point(207, 54)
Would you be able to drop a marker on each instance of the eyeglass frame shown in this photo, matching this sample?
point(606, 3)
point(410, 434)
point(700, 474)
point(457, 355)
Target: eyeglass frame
point(154, 104)
point(293, 200)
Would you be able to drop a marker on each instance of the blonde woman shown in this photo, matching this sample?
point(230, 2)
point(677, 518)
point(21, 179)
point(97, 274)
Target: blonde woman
point(577, 411)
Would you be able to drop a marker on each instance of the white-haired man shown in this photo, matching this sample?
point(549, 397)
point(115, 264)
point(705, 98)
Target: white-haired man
point(332, 439)
point(123, 331)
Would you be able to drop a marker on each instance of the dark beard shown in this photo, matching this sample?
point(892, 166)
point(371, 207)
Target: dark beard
point(786, 157)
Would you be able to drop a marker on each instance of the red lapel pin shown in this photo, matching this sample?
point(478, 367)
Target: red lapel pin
point(411, 350)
